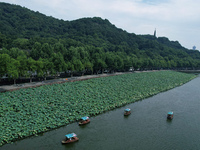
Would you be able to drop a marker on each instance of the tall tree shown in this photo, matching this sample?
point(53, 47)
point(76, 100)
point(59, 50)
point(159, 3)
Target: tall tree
point(46, 51)
point(13, 69)
point(31, 66)
point(35, 53)
point(77, 64)
point(59, 64)
point(118, 63)
point(110, 61)
point(4, 62)
point(40, 67)
point(23, 67)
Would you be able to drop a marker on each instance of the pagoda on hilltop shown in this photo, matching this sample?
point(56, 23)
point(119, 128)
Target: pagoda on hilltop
point(154, 33)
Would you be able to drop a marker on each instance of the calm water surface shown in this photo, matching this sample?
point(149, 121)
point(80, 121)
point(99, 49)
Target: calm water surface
point(145, 129)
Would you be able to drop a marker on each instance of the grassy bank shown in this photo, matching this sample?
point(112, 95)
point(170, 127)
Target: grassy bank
point(34, 110)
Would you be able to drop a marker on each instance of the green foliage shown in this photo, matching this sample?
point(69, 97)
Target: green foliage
point(13, 69)
point(23, 68)
point(21, 43)
point(40, 67)
point(59, 63)
point(87, 44)
point(31, 67)
point(31, 111)
point(4, 63)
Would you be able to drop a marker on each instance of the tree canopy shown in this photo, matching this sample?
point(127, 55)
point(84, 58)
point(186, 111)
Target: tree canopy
point(32, 42)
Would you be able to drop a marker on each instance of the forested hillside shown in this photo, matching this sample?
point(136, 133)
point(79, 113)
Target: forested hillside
point(32, 42)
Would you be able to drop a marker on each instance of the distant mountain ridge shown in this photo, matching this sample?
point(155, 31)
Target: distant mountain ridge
point(21, 22)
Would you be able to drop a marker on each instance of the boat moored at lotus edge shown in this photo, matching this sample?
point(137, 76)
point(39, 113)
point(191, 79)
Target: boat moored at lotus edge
point(127, 111)
point(170, 115)
point(84, 120)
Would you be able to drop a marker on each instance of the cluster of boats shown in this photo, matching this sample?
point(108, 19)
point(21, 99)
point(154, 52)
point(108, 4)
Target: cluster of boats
point(72, 137)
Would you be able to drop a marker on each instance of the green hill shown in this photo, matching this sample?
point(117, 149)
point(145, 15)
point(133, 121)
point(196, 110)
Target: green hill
point(83, 45)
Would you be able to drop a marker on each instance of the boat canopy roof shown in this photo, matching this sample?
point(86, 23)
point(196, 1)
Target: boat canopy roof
point(170, 113)
point(85, 118)
point(127, 109)
point(70, 135)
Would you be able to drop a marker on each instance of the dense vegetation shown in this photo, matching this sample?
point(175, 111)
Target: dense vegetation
point(32, 42)
point(31, 111)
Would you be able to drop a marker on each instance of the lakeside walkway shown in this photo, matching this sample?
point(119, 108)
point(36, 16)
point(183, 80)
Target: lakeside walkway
point(13, 87)
point(5, 88)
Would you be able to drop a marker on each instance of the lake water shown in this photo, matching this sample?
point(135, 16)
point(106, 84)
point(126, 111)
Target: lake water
point(145, 129)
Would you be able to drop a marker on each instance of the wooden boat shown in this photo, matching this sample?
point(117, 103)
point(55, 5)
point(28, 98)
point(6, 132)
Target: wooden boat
point(170, 115)
point(72, 137)
point(84, 120)
point(127, 111)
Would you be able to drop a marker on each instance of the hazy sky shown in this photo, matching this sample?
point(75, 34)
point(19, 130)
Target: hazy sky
point(179, 20)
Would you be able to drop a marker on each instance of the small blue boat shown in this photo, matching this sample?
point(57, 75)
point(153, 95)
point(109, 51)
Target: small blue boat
point(170, 115)
point(84, 120)
point(72, 137)
point(127, 111)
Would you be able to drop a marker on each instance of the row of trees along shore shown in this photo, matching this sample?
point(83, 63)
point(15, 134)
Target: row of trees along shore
point(31, 42)
point(50, 60)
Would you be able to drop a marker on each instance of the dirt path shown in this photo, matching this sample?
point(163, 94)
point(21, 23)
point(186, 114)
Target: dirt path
point(5, 88)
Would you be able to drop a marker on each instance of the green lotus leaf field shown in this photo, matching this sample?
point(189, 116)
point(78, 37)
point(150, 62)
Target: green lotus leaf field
point(31, 111)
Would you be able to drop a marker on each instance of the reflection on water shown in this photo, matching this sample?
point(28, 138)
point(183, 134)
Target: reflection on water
point(146, 128)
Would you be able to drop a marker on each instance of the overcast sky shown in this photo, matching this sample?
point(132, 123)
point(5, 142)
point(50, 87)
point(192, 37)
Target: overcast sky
point(179, 20)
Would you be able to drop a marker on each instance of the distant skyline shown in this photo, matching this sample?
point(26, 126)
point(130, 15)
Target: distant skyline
point(178, 20)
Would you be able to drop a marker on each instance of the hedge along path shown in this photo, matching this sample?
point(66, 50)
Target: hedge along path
point(31, 111)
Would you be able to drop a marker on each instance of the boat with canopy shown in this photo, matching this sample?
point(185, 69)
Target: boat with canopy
point(170, 115)
point(69, 138)
point(84, 120)
point(127, 111)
